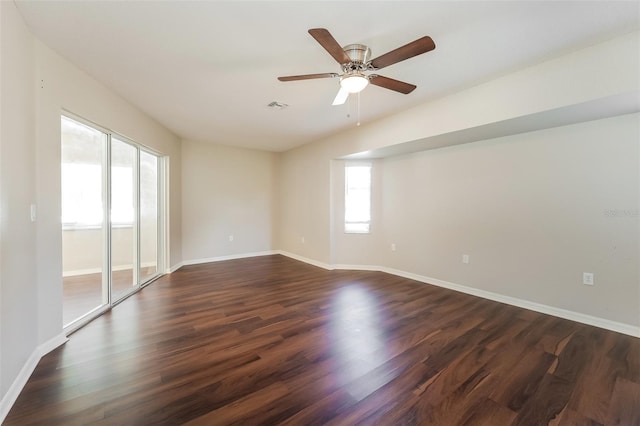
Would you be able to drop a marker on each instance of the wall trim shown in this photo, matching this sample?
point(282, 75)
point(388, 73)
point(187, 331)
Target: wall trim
point(496, 297)
point(227, 257)
point(306, 260)
point(522, 303)
point(77, 272)
point(27, 369)
point(174, 268)
point(358, 267)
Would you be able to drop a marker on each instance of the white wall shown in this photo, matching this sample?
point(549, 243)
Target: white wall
point(37, 85)
point(226, 191)
point(533, 211)
point(288, 201)
point(303, 187)
point(18, 288)
point(598, 72)
point(310, 188)
point(62, 86)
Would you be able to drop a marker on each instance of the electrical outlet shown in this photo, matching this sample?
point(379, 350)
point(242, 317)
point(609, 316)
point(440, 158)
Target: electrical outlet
point(587, 278)
point(393, 246)
point(230, 238)
point(465, 258)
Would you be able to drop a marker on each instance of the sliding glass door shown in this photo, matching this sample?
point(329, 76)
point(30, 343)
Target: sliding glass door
point(149, 200)
point(83, 177)
point(123, 218)
point(105, 176)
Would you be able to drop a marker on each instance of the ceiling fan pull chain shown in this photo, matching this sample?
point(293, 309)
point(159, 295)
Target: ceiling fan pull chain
point(358, 124)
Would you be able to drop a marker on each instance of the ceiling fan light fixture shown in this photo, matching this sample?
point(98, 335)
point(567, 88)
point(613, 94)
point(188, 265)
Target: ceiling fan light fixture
point(354, 83)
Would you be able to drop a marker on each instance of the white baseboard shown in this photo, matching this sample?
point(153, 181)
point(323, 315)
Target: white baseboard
point(174, 268)
point(618, 327)
point(357, 267)
point(305, 260)
point(521, 303)
point(52, 344)
point(27, 369)
point(77, 272)
point(227, 257)
point(89, 271)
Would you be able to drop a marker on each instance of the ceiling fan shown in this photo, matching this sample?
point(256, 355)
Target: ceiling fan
point(354, 61)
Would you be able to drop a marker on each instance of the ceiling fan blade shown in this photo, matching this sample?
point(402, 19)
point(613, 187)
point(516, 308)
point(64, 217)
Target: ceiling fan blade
point(341, 97)
point(415, 48)
point(308, 76)
point(391, 84)
point(330, 44)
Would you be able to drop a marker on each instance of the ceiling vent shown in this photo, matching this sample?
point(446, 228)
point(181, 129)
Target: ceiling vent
point(277, 105)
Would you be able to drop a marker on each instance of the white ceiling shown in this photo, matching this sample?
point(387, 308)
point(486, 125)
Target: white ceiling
point(206, 70)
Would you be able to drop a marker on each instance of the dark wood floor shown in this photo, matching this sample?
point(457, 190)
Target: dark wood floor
point(270, 340)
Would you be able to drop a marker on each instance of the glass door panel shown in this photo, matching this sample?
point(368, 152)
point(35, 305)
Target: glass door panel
point(111, 213)
point(148, 216)
point(85, 284)
point(123, 218)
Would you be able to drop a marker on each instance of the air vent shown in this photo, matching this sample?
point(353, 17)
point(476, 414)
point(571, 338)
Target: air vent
point(277, 105)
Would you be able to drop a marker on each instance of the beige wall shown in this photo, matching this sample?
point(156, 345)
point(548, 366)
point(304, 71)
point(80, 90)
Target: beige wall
point(226, 191)
point(304, 219)
point(533, 213)
point(65, 87)
point(598, 72)
point(311, 190)
point(528, 209)
point(37, 85)
point(18, 287)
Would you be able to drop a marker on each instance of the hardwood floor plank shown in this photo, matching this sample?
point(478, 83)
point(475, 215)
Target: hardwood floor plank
point(569, 417)
point(624, 408)
point(595, 405)
point(455, 374)
point(546, 403)
point(522, 382)
point(244, 408)
point(574, 358)
point(488, 413)
point(269, 340)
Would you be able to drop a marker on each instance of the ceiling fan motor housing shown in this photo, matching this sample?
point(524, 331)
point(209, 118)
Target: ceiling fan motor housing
point(359, 55)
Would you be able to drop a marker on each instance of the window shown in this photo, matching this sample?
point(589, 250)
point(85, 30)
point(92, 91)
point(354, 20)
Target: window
point(357, 198)
point(83, 158)
point(78, 184)
point(81, 195)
